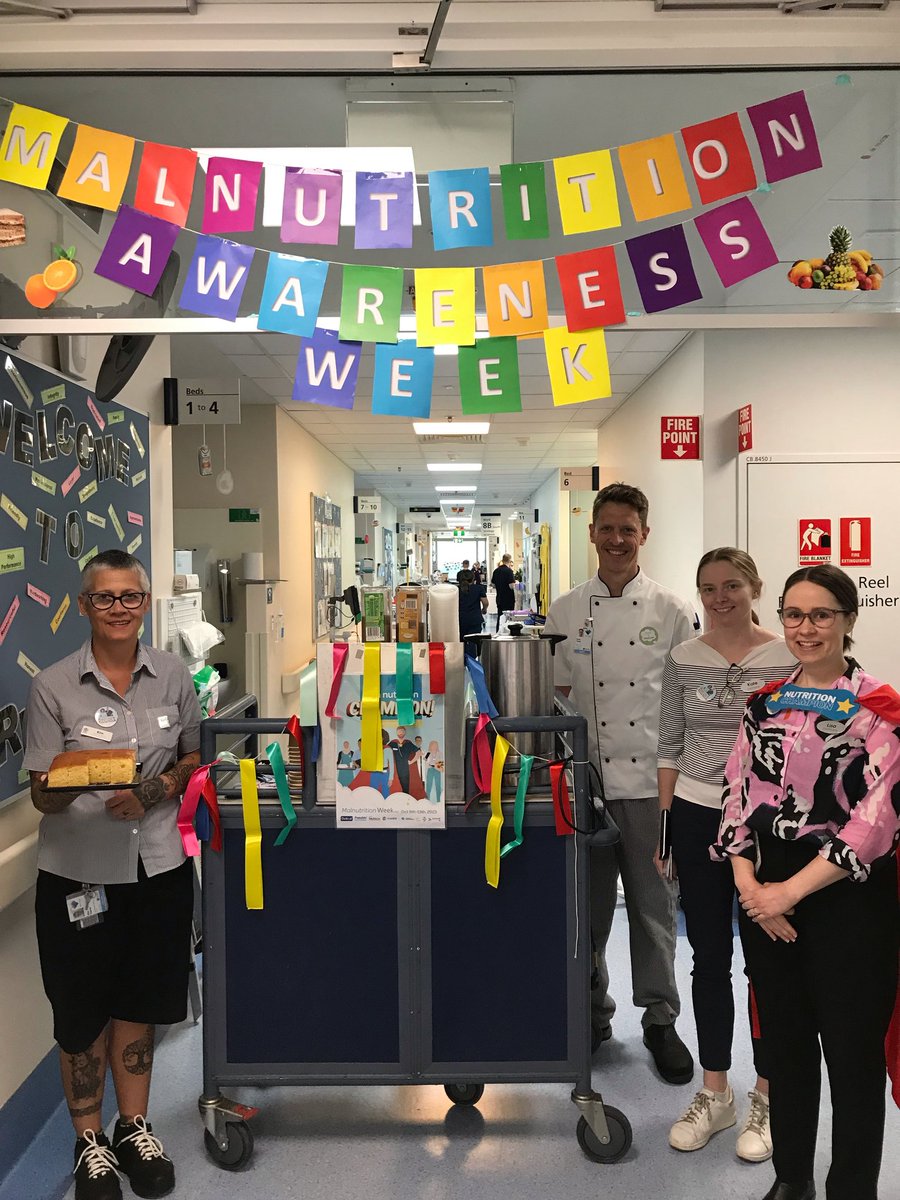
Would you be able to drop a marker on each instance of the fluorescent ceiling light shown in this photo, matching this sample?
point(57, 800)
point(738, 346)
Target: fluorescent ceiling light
point(451, 428)
point(457, 487)
point(454, 466)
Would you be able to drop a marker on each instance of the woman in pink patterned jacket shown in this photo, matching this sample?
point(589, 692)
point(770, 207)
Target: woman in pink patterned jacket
point(811, 819)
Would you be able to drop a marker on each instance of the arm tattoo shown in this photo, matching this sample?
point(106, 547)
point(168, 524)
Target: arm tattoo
point(86, 1077)
point(137, 1057)
point(168, 786)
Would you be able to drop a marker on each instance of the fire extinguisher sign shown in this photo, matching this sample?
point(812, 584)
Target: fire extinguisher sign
point(856, 541)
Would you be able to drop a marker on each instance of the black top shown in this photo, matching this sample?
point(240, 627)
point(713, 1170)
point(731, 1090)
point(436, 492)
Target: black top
point(503, 579)
point(471, 617)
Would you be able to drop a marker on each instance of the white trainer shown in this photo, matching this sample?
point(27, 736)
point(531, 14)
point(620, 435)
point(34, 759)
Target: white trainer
point(708, 1113)
point(754, 1142)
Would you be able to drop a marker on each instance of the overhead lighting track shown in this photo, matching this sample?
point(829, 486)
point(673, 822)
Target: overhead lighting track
point(786, 7)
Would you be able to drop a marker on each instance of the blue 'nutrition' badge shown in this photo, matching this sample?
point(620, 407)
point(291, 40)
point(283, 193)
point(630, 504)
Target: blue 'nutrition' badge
point(829, 702)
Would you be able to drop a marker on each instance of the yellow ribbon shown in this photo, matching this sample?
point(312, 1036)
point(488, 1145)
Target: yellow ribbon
point(495, 825)
point(253, 883)
point(372, 758)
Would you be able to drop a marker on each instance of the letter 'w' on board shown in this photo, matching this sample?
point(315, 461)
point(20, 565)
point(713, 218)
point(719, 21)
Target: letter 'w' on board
point(216, 278)
point(229, 204)
point(720, 158)
point(29, 145)
point(384, 210)
point(489, 376)
point(523, 187)
point(311, 209)
point(461, 208)
point(165, 182)
point(515, 297)
point(578, 365)
point(591, 293)
point(370, 303)
point(98, 168)
point(736, 240)
point(137, 250)
point(786, 136)
point(445, 306)
point(586, 189)
point(663, 269)
point(654, 178)
point(327, 369)
point(292, 294)
point(403, 379)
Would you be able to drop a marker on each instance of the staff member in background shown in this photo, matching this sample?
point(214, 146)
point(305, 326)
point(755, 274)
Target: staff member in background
point(503, 579)
point(111, 983)
point(619, 626)
point(462, 570)
point(705, 685)
point(810, 823)
point(477, 572)
point(473, 603)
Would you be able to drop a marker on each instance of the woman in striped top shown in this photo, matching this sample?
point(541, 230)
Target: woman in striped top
point(706, 683)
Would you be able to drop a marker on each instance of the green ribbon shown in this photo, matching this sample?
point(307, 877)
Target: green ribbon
point(309, 702)
point(284, 795)
point(403, 673)
point(525, 763)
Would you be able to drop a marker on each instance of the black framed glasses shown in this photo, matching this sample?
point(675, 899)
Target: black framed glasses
point(733, 677)
point(103, 601)
point(822, 618)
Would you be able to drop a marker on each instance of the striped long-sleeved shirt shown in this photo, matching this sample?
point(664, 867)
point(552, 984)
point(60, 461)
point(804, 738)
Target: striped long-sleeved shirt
point(697, 728)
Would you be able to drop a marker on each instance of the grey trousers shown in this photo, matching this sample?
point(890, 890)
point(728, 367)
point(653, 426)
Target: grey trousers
point(650, 904)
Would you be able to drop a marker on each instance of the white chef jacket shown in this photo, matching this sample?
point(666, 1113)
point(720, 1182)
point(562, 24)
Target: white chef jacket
point(613, 659)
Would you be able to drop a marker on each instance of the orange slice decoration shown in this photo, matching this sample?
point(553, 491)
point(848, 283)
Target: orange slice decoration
point(60, 275)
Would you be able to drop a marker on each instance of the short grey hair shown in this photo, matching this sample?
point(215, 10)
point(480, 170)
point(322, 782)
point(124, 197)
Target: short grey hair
point(114, 560)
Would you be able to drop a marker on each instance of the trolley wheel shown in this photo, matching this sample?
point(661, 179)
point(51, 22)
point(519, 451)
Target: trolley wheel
point(464, 1093)
point(240, 1146)
point(619, 1137)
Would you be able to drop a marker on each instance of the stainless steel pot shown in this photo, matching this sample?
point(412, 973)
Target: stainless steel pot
point(518, 668)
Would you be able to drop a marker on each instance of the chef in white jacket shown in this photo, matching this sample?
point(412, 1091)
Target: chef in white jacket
point(619, 626)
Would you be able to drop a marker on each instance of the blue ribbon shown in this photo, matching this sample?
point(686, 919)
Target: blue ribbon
point(838, 703)
point(479, 683)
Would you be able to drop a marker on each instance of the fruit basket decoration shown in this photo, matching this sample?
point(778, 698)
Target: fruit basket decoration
point(57, 278)
point(844, 270)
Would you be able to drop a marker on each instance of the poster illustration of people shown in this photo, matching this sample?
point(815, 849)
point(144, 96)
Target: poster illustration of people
point(408, 792)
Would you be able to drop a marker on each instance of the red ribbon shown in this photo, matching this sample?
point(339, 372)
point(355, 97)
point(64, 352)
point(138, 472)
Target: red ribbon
point(562, 809)
point(340, 650)
point(436, 668)
point(212, 804)
point(199, 784)
point(482, 759)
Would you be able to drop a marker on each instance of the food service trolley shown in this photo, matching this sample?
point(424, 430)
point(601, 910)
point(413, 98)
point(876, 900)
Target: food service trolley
point(363, 965)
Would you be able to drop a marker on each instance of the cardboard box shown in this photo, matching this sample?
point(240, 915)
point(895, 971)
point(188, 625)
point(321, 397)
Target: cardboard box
point(411, 614)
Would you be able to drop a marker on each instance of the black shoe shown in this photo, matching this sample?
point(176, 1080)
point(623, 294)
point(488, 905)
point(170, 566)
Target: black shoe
point(96, 1177)
point(672, 1057)
point(599, 1034)
point(142, 1158)
point(791, 1191)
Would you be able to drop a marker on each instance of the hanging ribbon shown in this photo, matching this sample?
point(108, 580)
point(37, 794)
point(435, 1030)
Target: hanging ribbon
point(372, 747)
point(525, 763)
point(209, 811)
point(253, 882)
point(492, 840)
point(403, 676)
point(479, 683)
point(481, 756)
point(276, 758)
point(199, 784)
point(297, 761)
point(339, 652)
point(562, 809)
point(309, 701)
point(436, 675)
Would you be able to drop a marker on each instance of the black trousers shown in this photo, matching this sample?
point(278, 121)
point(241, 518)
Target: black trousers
point(831, 992)
point(707, 900)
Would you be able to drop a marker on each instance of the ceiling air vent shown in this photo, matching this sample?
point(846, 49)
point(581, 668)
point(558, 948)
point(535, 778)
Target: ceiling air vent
point(451, 439)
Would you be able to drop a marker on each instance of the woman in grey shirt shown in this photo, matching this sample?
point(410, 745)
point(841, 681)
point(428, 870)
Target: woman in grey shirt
point(110, 982)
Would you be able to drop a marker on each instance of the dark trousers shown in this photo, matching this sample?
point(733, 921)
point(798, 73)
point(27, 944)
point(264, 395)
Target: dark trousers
point(831, 992)
point(707, 899)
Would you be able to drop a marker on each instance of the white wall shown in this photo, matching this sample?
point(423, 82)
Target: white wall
point(552, 511)
point(628, 451)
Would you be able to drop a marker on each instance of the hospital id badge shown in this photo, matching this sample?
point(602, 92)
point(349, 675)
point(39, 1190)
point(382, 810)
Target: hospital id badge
point(87, 906)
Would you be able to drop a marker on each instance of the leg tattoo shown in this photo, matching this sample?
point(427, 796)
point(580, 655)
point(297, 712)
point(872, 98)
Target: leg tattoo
point(86, 1077)
point(75, 1113)
point(137, 1057)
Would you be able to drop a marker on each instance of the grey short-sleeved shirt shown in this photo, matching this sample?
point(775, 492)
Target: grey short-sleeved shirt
point(159, 717)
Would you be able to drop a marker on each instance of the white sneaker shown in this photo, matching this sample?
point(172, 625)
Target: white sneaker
point(754, 1142)
point(708, 1113)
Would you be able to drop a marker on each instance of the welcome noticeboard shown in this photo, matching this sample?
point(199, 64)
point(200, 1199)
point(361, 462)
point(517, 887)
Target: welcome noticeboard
point(74, 480)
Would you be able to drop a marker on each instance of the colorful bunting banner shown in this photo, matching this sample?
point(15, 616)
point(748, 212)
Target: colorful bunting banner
point(489, 377)
point(515, 297)
point(736, 241)
point(165, 182)
point(445, 306)
point(29, 146)
point(662, 266)
point(586, 188)
point(292, 294)
point(523, 187)
point(720, 158)
point(384, 210)
point(327, 370)
point(137, 250)
point(98, 168)
point(216, 278)
point(654, 178)
point(578, 365)
point(311, 212)
point(370, 303)
point(786, 136)
point(461, 208)
point(403, 380)
point(591, 293)
point(229, 205)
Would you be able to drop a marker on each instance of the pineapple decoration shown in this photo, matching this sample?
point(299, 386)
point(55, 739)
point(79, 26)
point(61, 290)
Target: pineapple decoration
point(839, 271)
point(844, 270)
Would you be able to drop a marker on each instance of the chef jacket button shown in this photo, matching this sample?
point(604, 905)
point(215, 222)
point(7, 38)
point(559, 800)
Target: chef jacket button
point(600, 683)
point(603, 724)
point(631, 643)
point(606, 760)
point(634, 602)
point(631, 685)
point(599, 643)
point(631, 723)
point(634, 760)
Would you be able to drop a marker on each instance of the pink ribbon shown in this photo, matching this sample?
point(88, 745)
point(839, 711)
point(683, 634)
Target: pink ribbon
point(199, 785)
point(482, 760)
point(340, 650)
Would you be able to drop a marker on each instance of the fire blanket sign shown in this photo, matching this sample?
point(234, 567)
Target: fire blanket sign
point(815, 540)
point(680, 437)
point(745, 428)
point(856, 541)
